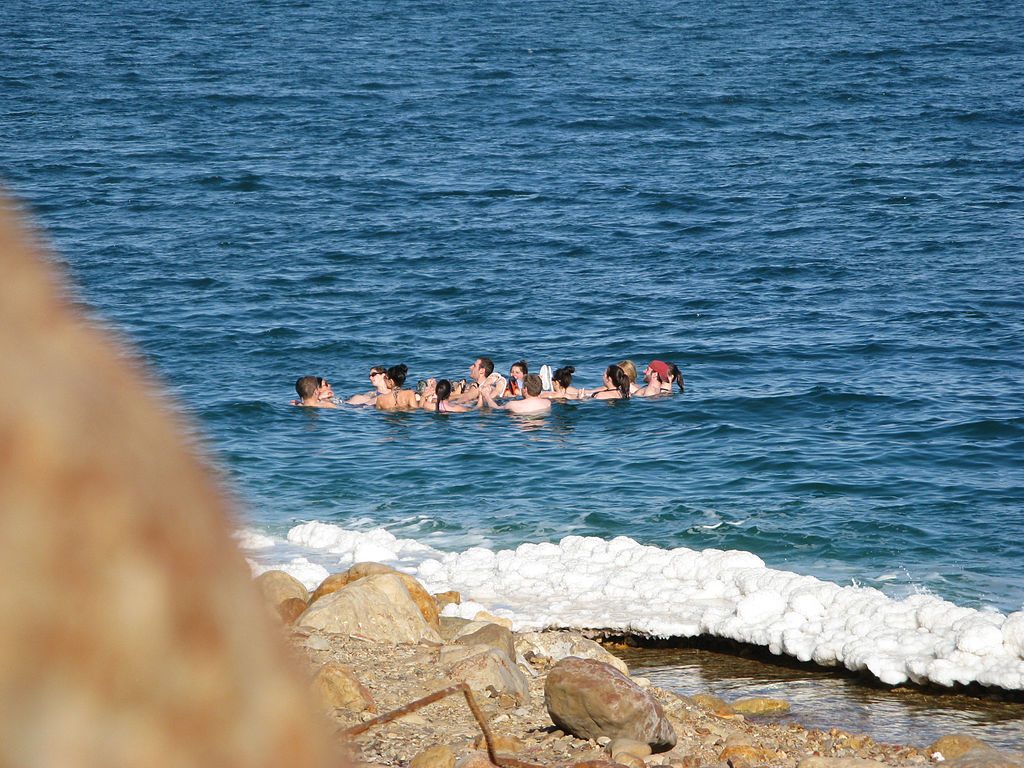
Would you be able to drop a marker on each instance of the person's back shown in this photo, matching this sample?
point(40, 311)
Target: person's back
point(396, 398)
point(532, 403)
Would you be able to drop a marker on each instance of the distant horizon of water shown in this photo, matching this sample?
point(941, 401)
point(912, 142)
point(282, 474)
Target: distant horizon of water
point(815, 211)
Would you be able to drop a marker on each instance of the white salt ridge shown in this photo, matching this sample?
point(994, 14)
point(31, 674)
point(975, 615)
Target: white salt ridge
point(625, 586)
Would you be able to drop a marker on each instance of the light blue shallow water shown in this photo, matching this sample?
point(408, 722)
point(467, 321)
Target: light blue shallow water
point(815, 210)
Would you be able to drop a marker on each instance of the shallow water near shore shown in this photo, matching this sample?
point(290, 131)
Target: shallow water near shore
point(815, 210)
point(825, 700)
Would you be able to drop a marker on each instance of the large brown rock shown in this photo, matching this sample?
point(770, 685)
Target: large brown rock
point(484, 668)
point(131, 633)
point(493, 635)
point(954, 745)
point(591, 699)
point(424, 602)
point(278, 586)
point(339, 688)
point(760, 705)
point(375, 608)
point(985, 758)
point(439, 756)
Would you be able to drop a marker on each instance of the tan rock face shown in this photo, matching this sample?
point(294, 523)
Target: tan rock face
point(493, 635)
point(132, 632)
point(375, 608)
point(424, 602)
point(633, 747)
point(559, 645)
point(440, 756)
point(956, 744)
point(985, 758)
point(338, 688)
point(290, 609)
point(591, 699)
point(278, 586)
point(451, 597)
point(483, 668)
point(712, 704)
point(760, 706)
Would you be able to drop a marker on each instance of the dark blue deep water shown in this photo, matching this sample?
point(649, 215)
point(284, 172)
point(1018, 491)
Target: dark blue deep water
point(815, 209)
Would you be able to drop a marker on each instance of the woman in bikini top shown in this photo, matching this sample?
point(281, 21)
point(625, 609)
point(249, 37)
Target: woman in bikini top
point(395, 398)
point(616, 385)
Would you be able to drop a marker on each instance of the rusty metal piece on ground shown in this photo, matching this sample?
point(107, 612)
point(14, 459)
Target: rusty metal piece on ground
point(412, 706)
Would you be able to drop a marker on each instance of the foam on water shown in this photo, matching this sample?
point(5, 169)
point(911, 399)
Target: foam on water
point(620, 585)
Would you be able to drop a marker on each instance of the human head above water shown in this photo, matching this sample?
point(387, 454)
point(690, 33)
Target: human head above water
point(659, 367)
point(629, 368)
point(482, 368)
point(618, 379)
point(442, 390)
point(306, 387)
point(563, 376)
point(396, 374)
point(533, 385)
point(522, 367)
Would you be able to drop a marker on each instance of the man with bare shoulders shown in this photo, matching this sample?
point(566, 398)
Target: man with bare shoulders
point(314, 392)
point(484, 381)
point(532, 403)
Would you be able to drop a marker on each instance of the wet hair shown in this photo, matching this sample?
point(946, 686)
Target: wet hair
point(306, 386)
point(564, 376)
point(619, 380)
point(397, 374)
point(521, 364)
point(379, 369)
point(443, 390)
point(533, 384)
point(629, 368)
point(676, 374)
point(487, 364)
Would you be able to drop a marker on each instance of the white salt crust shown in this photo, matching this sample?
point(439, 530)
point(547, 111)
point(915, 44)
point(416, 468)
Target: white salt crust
point(621, 585)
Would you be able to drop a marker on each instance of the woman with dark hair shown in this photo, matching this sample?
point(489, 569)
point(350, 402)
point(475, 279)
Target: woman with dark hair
point(561, 381)
point(659, 377)
point(377, 379)
point(516, 376)
point(395, 398)
point(436, 398)
point(616, 385)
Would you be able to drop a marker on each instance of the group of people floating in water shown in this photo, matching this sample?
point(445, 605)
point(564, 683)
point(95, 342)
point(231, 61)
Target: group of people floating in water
point(522, 392)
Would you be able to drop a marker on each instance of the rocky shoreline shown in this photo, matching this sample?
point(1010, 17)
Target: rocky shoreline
point(375, 647)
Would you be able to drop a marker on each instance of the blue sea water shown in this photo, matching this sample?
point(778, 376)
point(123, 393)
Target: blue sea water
point(815, 209)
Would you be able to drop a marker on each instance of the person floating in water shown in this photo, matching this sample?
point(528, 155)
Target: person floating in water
point(516, 376)
point(484, 381)
point(436, 397)
point(660, 376)
point(395, 398)
point(532, 403)
point(616, 385)
point(561, 381)
point(378, 378)
point(314, 392)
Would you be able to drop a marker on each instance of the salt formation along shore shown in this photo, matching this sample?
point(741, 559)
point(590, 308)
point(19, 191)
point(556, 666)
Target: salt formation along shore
point(407, 686)
point(622, 586)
